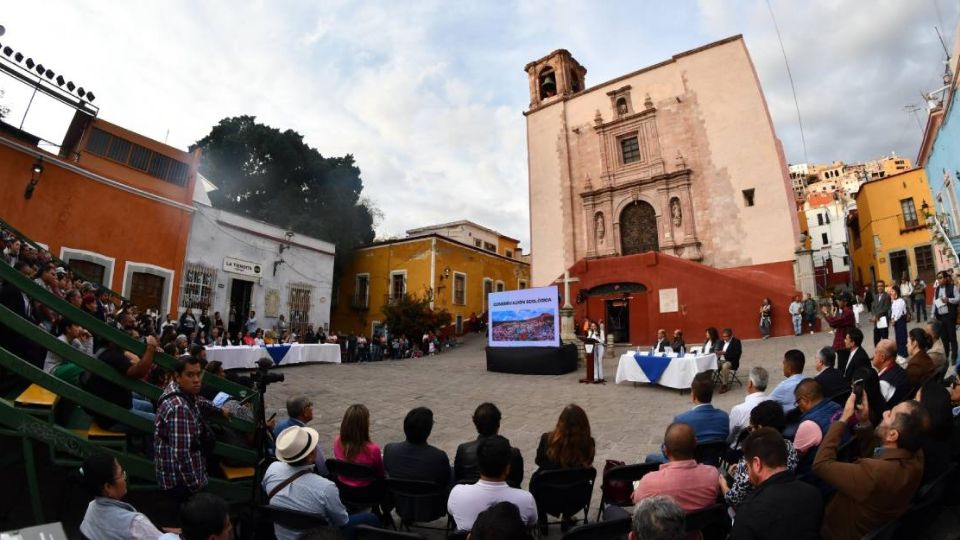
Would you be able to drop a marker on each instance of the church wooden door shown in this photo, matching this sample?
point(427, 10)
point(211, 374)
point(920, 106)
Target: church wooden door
point(638, 229)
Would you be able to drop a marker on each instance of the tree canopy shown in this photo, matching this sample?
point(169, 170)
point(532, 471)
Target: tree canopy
point(274, 176)
point(411, 315)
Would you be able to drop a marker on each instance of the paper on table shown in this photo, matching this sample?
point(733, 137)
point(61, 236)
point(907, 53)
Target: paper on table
point(882, 322)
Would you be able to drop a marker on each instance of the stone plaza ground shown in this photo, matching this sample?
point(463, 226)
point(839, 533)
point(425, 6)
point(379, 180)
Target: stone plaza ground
point(627, 421)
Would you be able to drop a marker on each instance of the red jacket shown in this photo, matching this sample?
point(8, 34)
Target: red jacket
point(841, 324)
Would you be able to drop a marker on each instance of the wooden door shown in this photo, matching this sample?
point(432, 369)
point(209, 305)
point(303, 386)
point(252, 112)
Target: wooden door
point(90, 271)
point(147, 291)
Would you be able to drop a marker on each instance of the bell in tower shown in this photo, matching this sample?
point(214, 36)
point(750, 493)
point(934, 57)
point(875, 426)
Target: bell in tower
point(557, 74)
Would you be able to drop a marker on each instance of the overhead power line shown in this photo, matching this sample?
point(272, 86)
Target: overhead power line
point(803, 140)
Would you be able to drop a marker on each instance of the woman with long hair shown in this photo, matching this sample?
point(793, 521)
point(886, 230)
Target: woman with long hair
point(713, 343)
point(107, 516)
point(354, 445)
point(569, 445)
point(937, 428)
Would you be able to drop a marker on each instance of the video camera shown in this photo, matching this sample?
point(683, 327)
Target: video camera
point(262, 376)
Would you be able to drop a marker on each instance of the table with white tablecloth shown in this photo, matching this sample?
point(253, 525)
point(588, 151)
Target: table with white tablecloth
point(679, 372)
point(243, 357)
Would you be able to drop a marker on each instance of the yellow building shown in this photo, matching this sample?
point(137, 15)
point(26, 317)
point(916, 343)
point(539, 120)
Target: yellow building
point(887, 229)
point(455, 265)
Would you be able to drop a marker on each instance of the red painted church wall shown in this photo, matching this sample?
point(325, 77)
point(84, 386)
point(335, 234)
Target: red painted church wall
point(706, 296)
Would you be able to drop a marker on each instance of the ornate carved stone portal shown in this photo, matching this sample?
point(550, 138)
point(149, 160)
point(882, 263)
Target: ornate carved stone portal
point(651, 209)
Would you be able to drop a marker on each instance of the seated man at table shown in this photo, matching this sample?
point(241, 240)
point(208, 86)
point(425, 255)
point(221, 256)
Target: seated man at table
point(662, 341)
point(728, 358)
point(299, 413)
point(708, 422)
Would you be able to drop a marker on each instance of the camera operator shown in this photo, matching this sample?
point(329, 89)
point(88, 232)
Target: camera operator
point(183, 441)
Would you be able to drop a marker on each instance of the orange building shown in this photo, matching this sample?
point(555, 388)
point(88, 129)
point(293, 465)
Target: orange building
point(115, 205)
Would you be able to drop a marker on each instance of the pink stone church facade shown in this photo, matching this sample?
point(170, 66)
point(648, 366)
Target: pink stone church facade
point(679, 159)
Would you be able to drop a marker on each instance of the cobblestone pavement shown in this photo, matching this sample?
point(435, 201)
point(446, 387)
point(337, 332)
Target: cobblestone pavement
point(627, 422)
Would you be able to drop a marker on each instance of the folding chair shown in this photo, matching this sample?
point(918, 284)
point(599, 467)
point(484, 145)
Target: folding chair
point(711, 522)
point(416, 501)
point(562, 492)
point(604, 530)
point(294, 520)
point(623, 473)
point(372, 495)
point(710, 452)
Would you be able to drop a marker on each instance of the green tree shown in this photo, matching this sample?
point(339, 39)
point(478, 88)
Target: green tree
point(411, 315)
point(274, 176)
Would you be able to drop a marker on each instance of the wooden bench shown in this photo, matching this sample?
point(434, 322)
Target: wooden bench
point(236, 473)
point(38, 398)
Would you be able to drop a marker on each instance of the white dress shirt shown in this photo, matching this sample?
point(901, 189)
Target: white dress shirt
point(898, 309)
point(740, 414)
point(468, 500)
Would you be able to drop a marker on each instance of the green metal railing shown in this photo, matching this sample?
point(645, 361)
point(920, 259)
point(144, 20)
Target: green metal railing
point(113, 335)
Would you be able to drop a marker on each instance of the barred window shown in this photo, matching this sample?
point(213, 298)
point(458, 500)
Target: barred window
point(133, 155)
point(459, 288)
point(630, 149)
point(198, 283)
point(298, 299)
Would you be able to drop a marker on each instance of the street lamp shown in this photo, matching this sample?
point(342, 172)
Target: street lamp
point(925, 208)
point(35, 173)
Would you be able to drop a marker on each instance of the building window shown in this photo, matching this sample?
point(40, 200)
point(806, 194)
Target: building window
point(477, 242)
point(115, 148)
point(926, 268)
point(630, 149)
point(361, 291)
point(509, 254)
point(824, 239)
point(846, 260)
point(298, 300)
point(459, 288)
point(748, 197)
point(198, 283)
point(91, 271)
point(398, 285)
point(522, 285)
point(499, 286)
point(819, 219)
point(909, 213)
point(489, 247)
point(487, 289)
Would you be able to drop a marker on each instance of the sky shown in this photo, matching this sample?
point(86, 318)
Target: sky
point(428, 96)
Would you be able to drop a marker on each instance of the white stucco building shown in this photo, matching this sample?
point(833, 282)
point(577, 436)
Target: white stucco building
point(240, 264)
point(828, 232)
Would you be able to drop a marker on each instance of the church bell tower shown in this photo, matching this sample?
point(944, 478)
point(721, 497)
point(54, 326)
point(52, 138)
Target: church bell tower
point(557, 74)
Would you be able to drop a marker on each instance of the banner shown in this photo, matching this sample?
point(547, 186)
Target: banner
point(524, 318)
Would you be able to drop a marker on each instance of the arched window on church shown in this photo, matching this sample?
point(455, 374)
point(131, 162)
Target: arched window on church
point(548, 83)
point(621, 106)
point(574, 82)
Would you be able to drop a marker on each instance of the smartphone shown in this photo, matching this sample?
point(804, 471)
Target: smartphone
point(858, 390)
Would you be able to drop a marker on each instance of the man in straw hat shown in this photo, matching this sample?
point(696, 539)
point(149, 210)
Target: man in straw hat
point(292, 483)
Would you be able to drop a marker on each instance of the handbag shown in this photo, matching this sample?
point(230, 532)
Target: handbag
point(617, 492)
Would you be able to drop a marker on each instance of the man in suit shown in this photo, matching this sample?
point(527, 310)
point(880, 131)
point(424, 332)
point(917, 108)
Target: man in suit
point(662, 341)
point(708, 422)
point(874, 490)
point(780, 506)
point(881, 311)
point(894, 383)
point(729, 358)
point(414, 459)
point(946, 296)
point(858, 357)
point(466, 464)
point(830, 379)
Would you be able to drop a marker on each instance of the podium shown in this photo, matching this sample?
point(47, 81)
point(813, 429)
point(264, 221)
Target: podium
point(589, 361)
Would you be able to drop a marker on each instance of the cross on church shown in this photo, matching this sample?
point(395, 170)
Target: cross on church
point(567, 280)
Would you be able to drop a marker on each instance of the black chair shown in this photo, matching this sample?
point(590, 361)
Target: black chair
point(366, 532)
point(562, 492)
point(372, 495)
point(710, 452)
point(623, 473)
point(416, 501)
point(711, 522)
point(616, 529)
point(926, 503)
point(294, 520)
point(458, 535)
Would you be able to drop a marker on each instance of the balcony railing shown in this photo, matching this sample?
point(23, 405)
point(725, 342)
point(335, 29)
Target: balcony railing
point(910, 224)
point(360, 303)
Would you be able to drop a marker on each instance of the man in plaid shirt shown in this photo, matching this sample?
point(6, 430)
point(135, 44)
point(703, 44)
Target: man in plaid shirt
point(181, 467)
